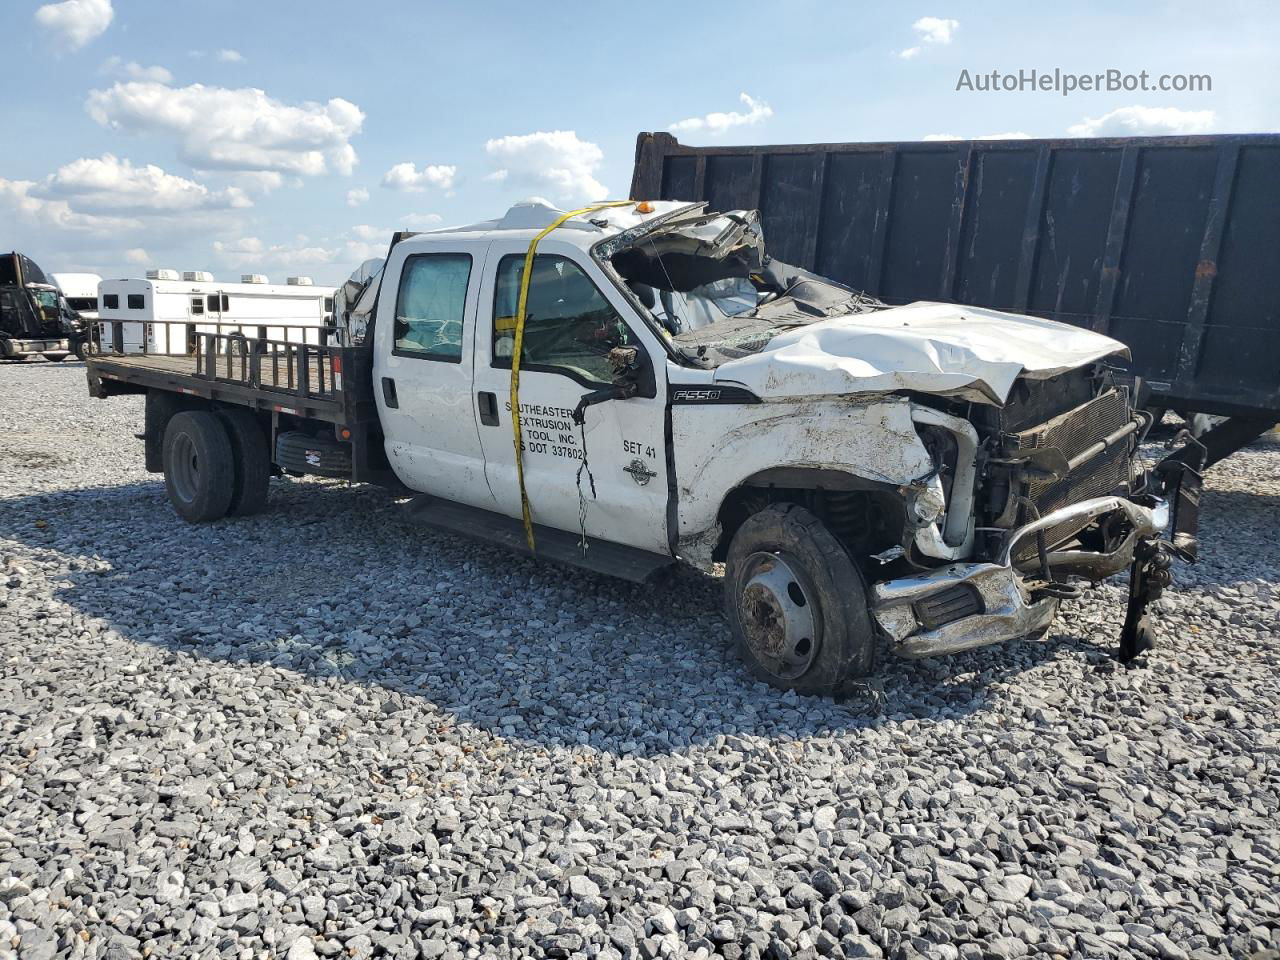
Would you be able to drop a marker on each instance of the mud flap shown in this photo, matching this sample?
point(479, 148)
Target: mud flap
point(1180, 481)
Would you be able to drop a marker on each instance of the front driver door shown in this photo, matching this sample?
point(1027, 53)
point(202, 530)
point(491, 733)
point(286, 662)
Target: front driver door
point(574, 317)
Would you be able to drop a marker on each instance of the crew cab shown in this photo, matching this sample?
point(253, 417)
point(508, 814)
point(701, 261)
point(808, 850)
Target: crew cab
point(924, 478)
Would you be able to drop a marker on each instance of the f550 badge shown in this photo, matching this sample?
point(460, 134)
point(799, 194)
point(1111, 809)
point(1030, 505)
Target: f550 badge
point(696, 393)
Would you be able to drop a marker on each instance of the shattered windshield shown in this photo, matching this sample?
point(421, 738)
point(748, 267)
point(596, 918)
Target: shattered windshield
point(708, 281)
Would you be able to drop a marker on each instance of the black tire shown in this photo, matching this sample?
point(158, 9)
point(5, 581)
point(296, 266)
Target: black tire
point(82, 349)
point(785, 546)
point(306, 454)
point(252, 462)
point(199, 466)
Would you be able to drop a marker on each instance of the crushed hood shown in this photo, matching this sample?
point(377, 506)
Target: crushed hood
point(938, 348)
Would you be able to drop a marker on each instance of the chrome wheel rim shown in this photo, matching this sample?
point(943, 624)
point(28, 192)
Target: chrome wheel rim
point(779, 616)
point(186, 468)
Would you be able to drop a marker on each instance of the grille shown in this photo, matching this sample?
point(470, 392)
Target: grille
point(1071, 433)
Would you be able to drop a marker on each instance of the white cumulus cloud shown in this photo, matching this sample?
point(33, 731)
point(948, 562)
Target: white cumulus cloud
point(136, 71)
point(137, 255)
point(76, 22)
point(251, 253)
point(1144, 121)
point(406, 176)
point(261, 181)
point(235, 129)
point(555, 161)
point(109, 185)
point(21, 201)
point(230, 56)
point(243, 245)
point(324, 258)
point(716, 122)
point(938, 31)
point(364, 240)
point(357, 196)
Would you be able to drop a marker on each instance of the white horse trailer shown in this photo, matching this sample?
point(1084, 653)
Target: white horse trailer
point(164, 312)
point(80, 290)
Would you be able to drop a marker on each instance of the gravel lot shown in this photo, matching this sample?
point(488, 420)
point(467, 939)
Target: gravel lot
point(326, 732)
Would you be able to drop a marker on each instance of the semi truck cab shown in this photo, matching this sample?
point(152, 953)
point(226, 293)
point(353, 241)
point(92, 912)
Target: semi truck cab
point(34, 317)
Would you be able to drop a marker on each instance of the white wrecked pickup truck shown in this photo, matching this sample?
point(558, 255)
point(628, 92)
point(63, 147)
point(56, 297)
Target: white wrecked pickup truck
point(930, 477)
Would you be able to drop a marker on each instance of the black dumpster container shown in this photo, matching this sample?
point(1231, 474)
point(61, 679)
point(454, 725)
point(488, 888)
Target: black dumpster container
point(1169, 244)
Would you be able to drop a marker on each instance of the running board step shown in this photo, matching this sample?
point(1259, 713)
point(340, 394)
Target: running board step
point(613, 559)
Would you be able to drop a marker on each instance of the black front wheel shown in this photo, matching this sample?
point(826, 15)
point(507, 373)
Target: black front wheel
point(797, 604)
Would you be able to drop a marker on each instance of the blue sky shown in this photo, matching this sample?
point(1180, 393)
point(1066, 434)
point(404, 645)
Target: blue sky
point(279, 137)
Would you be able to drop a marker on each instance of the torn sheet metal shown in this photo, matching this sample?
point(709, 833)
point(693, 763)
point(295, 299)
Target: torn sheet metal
point(718, 447)
point(355, 299)
point(938, 348)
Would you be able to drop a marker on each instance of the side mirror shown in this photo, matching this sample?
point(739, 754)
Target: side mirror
point(626, 364)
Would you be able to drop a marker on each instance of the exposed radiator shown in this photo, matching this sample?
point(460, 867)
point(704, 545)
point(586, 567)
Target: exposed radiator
point(1071, 433)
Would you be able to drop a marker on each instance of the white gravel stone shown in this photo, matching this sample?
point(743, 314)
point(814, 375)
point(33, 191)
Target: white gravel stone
point(170, 887)
point(325, 732)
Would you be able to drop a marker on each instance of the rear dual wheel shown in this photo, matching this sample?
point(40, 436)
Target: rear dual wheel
point(252, 462)
point(199, 467)
point(215, 464)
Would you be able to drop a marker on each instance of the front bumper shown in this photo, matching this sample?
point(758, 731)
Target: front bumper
point(962, 606)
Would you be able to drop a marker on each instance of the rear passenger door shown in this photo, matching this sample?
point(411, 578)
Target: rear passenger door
point(422, 373)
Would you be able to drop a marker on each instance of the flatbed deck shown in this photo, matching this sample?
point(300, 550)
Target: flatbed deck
point(323, 382)
point(273, 376)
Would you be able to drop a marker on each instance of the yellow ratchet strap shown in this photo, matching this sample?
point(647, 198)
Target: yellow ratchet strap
point(518, 347)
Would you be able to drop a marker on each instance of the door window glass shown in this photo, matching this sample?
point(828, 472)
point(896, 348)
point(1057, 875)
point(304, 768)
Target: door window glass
point(569, 326)
point(430, 306)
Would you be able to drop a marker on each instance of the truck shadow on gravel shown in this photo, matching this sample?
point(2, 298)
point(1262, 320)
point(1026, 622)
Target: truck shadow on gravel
point(338, 584)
